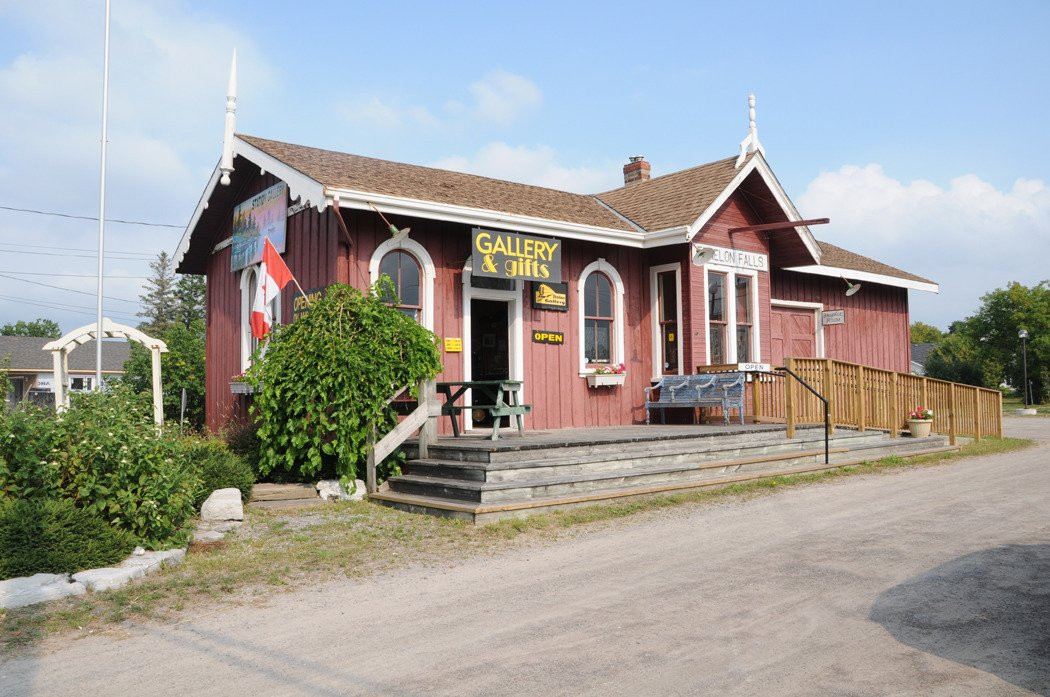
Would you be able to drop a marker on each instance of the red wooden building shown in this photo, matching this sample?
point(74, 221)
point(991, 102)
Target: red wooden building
point(697, 267)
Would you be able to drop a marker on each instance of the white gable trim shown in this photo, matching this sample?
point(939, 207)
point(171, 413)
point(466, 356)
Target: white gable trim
point(757, 163)
point(836, 272)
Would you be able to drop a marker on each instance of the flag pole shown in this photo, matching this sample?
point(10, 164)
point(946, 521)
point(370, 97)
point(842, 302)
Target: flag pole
point(102, 205)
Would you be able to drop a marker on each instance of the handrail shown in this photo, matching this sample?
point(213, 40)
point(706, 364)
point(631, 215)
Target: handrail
point(823, 399)
point(423, 417)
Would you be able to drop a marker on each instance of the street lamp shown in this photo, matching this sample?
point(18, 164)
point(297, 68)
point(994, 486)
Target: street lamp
point(1023, 336)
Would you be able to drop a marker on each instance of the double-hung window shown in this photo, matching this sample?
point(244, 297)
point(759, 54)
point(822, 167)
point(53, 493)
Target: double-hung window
point(732, 335)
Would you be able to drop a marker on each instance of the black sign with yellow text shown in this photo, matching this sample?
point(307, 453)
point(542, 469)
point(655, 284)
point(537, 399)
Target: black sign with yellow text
point(512, 255)
point(550, 296)
point(543, 336)
point(301, 303)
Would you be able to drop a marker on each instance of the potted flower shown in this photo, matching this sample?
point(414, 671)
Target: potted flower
point(920, 420)
point(607, 376)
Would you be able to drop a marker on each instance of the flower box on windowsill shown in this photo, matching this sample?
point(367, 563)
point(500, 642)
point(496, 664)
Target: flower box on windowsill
point(237, 387)
point(606, 379)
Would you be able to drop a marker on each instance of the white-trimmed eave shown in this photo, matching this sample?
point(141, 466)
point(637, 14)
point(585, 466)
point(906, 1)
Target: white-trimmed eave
point(757, 162)
point(399, 205)
point(300, 187)
point(853, 274)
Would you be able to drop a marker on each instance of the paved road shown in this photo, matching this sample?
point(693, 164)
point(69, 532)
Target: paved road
point(932, 581)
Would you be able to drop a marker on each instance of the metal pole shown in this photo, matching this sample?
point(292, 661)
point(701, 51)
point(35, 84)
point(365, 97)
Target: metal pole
point(1024, 361)
point(102, 204)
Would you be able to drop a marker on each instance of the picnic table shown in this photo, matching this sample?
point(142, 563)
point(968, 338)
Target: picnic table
point(498, 397)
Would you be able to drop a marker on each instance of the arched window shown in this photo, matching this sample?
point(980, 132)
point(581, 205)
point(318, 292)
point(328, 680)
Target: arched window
point(597, 318)
point(411, 269)
point(249, 286)
point(404, 272)
point(601, 318)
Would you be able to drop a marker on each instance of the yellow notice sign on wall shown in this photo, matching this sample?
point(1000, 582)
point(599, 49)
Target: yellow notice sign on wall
point(453, 345)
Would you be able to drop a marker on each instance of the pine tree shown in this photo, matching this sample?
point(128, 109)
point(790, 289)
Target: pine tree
point(159, 304)
point(189, 298)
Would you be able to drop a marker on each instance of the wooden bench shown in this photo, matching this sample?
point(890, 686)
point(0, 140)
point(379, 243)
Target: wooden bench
point(498, 397)
point(725, 390)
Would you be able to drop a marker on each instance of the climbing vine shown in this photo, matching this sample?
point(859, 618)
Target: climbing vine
point(324, 381)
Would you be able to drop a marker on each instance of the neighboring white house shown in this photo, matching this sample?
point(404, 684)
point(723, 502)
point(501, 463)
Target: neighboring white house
point(31, 368)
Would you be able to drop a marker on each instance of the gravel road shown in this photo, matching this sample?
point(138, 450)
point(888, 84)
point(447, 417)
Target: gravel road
point(932, 581)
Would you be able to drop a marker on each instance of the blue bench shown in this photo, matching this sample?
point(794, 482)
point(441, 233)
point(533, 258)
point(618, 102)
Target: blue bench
point(725, 390)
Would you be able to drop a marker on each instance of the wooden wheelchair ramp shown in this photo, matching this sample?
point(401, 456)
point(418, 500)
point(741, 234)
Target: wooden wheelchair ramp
point(480, 480)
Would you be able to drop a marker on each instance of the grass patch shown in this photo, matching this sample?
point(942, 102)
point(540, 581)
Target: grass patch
point(1012, 403)
point(285, 549)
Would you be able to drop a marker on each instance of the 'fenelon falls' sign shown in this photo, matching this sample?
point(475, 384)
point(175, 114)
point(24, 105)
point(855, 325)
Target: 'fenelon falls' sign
point(512, 255)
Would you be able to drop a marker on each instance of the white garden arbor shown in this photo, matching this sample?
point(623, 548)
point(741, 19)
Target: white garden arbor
point(60, 349)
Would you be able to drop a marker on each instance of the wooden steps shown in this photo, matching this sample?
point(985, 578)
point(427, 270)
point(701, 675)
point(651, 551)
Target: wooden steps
point(483, 513)
point(487, 481)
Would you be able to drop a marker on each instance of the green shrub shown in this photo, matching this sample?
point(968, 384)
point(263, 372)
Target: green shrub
point(106, 456)
point(219, 469)
point(54, 536)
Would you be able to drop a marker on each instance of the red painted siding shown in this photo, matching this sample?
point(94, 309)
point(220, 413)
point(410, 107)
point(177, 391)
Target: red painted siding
point(876, 328)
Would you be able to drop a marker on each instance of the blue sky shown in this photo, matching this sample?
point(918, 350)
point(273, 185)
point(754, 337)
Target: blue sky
point(920, 129)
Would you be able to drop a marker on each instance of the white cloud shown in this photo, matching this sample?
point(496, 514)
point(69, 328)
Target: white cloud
point(502, 96)
point(499, 99)
point(970, 236)
point(538, 166)
point(168, 71)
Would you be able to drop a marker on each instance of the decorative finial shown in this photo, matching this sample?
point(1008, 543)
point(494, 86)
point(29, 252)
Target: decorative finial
point(751, 143)
point(226, 163)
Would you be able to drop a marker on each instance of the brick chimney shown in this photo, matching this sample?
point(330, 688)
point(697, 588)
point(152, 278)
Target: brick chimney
point(635, 171)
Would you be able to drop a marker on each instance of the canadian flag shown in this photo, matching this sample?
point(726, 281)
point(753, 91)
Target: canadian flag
point(273, 276)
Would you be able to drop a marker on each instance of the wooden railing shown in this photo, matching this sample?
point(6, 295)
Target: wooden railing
point(423, 417)
point(862, 397)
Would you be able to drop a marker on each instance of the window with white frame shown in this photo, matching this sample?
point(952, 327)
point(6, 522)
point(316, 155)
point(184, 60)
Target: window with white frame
point(665, 287)
point(249, 286)
point(412, 272)
point(600, 303)
point(732, 328)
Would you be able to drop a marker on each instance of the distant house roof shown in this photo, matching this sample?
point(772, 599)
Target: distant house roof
point(26, 354)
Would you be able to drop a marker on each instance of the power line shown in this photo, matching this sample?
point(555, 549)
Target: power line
point(68, 290)
point(78, 309)
point(88, 217)
point(74, 249)
point(79, 256)
point(68, 275)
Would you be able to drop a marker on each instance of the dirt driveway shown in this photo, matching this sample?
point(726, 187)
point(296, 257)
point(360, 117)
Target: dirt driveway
point(932, 581)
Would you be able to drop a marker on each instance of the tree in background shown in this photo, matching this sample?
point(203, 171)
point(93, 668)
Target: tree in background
point(181, 367)
point(989, 338)
point(959, 359)
point(46, 328)
point(189, 299)
point(174, 312)
point(159, 303)
point(922, 333)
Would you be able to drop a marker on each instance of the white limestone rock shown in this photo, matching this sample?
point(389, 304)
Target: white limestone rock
point(333, 489)
point(223, 504)
point(38, 588)
point(109, 577)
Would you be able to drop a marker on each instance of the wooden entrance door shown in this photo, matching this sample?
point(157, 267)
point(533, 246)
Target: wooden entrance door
point(793, 332)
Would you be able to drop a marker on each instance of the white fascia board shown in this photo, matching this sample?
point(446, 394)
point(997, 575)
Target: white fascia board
point(202, 204)
point(668, 236)
point(836, 272)
point(758, 162)
point(398, 205)
point(300, 187)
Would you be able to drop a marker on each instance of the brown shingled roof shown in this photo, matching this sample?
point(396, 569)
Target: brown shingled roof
point(345, 171)
point(673, 199)
point(845, 259)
